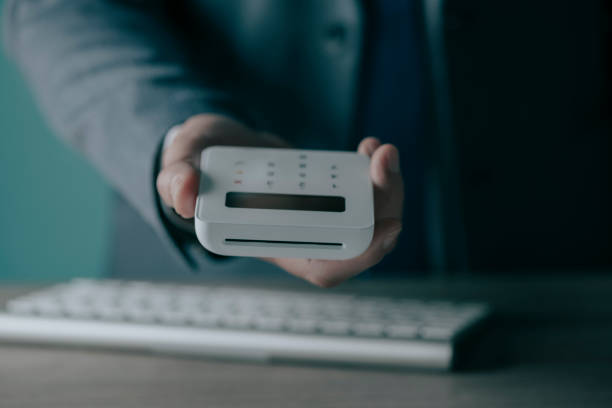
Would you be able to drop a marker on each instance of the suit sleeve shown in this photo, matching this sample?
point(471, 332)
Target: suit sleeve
point(111, 78)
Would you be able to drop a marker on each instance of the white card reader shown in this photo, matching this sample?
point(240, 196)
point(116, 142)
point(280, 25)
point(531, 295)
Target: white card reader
point(284, 203)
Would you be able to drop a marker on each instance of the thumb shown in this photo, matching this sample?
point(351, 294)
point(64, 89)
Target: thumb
point(177, 185)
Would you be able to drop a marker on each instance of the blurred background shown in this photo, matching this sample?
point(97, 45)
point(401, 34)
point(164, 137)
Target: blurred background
point(531, 97)
point(42, 221)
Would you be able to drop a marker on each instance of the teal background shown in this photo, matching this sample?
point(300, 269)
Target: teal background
point(54, 208)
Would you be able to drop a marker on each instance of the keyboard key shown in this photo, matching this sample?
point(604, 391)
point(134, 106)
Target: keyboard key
point(436, 333)
point(204, 319)
point(236, 322)
point(368, 329)
point(338, 328)
point(268, 323)
point(139, 315)
point(79, 311)
point(48, 307)
point(402, 332)
point(109, 312)
point(20, 307)
point(302, 326)
point(174, 317)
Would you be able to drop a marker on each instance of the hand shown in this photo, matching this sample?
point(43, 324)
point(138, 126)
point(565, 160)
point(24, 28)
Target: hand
point(178, 180)
point(178, 183)
point(388, 203)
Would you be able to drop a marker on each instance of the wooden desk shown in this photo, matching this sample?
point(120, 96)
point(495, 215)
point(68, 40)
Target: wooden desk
point(553, 334)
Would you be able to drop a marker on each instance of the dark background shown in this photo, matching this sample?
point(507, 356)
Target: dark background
point(531, 91)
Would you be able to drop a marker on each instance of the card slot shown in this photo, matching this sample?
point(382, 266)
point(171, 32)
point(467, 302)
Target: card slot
point(283, 244)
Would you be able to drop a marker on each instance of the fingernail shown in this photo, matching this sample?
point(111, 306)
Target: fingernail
point(394, 166)
point(390, 239)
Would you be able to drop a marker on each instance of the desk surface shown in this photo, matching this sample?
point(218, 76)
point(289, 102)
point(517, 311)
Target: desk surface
point(553, 337)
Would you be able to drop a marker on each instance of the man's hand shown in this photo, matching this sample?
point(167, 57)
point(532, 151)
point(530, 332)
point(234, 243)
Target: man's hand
point(388, 202)
point(178, 180)
point(178, 183)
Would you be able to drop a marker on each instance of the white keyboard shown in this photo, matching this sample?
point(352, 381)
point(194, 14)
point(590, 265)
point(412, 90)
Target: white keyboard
point(243, 323)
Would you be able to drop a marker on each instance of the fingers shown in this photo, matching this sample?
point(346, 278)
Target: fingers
point(384, 167)
point(185, 146)
point(368, 146)
point(325, 273)
point(177, 185)
point(205, 130)
point(388, 202)
point(386, 177)
point(387, 180)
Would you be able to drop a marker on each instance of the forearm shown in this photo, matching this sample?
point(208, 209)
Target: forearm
point(111, 80)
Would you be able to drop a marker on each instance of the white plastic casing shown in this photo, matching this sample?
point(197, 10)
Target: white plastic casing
point(284, 233)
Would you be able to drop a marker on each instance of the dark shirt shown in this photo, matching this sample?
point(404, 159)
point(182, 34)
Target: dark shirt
point(394, 110)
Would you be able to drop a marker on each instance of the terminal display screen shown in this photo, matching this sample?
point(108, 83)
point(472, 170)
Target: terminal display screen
point(296, 202)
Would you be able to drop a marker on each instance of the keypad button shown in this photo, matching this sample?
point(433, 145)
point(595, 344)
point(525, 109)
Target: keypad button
point(239, 163)
point(271, 164)
point(302, 165)
point(302, 175)
point(334, 186)
point(303, 156)
point(270, 183)
point(334, 167)
point(270, 173)
point(302, 184)
point(237, 181)
point(239, 172)
point(334, 176)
